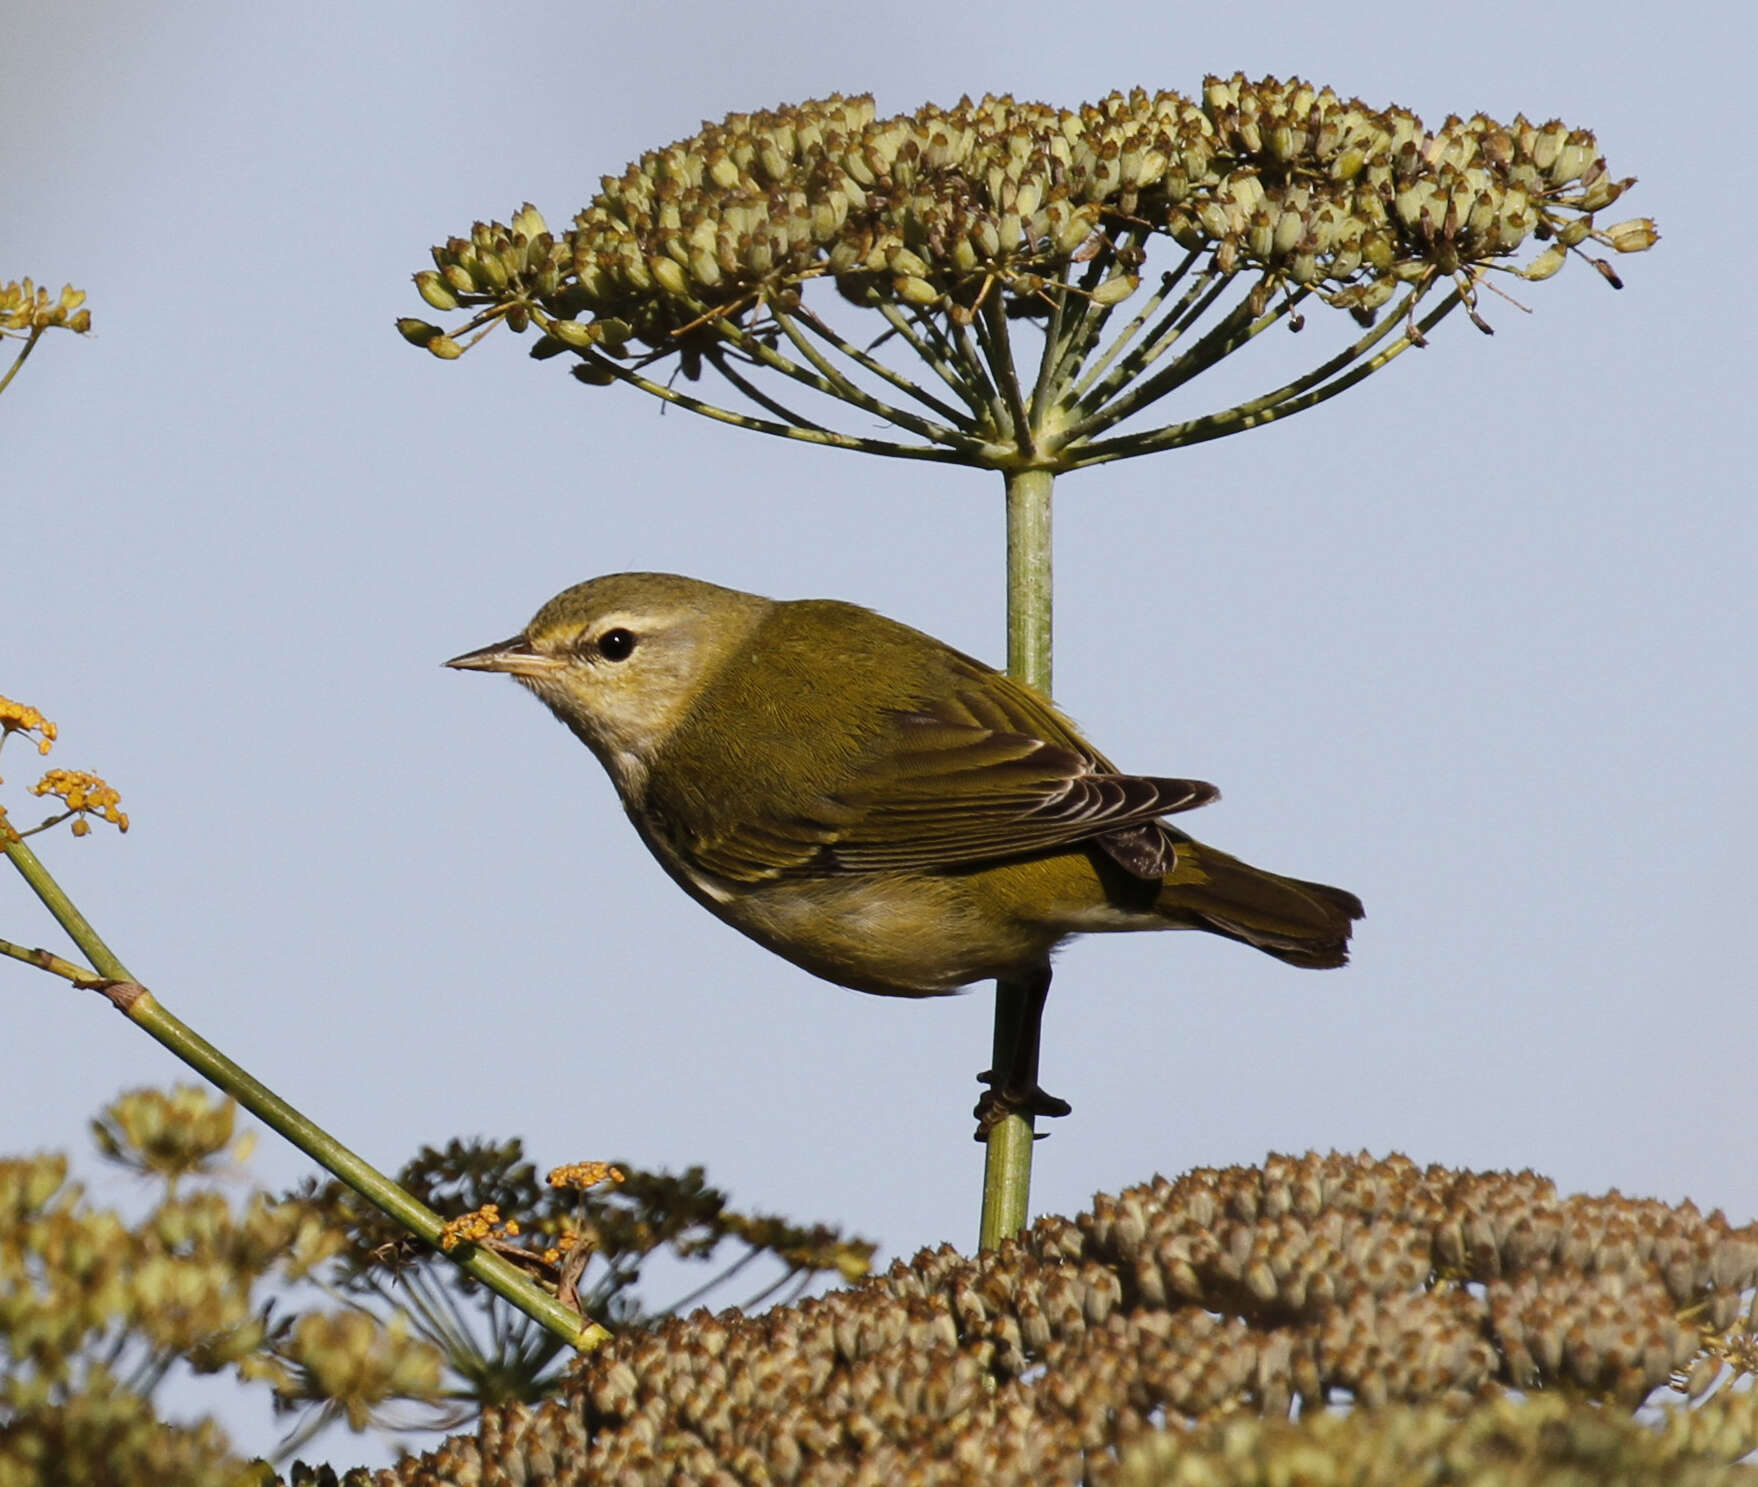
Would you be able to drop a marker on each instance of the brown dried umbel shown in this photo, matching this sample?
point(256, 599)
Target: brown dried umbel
point(959, 225)
point(1175, 1324)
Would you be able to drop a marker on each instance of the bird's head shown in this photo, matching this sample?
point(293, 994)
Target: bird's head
point(621, 659)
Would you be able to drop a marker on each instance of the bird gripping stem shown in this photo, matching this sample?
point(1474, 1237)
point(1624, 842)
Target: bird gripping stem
point(1007, 1172)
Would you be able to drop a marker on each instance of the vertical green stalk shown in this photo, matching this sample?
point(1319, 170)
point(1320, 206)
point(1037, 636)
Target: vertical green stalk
point(1028, 577)
point(1007, 1171)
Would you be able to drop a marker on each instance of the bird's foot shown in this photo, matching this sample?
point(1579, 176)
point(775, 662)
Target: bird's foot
point(1005, 1097)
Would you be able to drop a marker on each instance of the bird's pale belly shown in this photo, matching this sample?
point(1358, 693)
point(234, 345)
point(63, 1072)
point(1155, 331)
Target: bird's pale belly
point(900, 935)
point(921, 934)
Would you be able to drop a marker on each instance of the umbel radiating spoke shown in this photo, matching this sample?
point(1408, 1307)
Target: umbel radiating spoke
point(1006, 247)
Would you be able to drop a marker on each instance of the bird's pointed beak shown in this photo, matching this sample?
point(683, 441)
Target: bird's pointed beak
point(515, 657)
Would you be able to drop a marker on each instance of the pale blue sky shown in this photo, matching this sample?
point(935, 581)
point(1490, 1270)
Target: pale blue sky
point(1474, 640)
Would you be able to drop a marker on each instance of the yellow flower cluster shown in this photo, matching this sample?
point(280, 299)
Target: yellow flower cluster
point(475, 1226)
point(584, 1175)
point(565, 1243)
point(86, 795)
point(20, 717)
point(27, 307)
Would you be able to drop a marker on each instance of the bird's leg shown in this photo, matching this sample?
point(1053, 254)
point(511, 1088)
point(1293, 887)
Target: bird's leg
point(1013, 1082)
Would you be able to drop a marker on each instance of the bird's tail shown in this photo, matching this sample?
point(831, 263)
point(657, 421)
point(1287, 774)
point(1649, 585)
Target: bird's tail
point(1305, 924)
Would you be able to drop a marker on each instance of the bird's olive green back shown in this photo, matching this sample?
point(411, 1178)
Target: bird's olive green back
point(837, 740)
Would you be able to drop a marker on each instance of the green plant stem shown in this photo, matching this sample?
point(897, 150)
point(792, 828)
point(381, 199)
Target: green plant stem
point(1028, 577)
point(142, 1008)
point(30, 345)
point(1306, 391)
point(45, 960)
point(1007, 1169)
point(964, 452)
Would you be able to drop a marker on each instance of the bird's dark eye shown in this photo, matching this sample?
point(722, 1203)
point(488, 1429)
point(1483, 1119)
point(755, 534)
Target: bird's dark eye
point(616, 645)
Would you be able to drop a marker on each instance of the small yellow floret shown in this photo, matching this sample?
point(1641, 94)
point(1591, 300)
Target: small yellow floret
point(86, 794)
point(584, 1175)
point(19, 717)
point(26, 306)
point(566, 1243)
point(470, 1228)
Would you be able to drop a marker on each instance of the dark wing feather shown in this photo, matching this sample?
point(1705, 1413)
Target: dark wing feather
point(953, 793)
point(985, 771)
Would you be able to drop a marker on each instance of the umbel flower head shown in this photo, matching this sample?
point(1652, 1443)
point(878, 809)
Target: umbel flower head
point(958, 225)
point(28, 311)
point(27, 307)
point(23, 719)
point(84, 795)
point(1410, 1316)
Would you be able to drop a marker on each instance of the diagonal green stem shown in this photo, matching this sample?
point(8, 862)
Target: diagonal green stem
point(790, 323)
point(1304, 392)
point(963, 452)
point(991, 327)
point(1136, 390)
point(1144, 348)
point(824, 377)
point(1007, 1170)
point(18, 361)
point(717, 358)
point(30, 867)
point(1091, 371)
point(142, 1008)
point(925, 338)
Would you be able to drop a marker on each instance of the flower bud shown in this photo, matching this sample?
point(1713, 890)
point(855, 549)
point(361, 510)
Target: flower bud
point(1547, 263)
point(1633, 236)
point(435, 291)
point(1076, 228)
point(1601, 192)
point(1116, 289)
point(492, 271)
point(417, 332)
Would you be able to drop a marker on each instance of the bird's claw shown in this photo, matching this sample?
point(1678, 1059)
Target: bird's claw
point(1003, 1099)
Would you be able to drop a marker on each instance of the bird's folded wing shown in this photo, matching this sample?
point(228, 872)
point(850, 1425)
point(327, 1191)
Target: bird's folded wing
point(959, 783)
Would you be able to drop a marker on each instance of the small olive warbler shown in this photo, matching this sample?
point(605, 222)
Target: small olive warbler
point(879, 808)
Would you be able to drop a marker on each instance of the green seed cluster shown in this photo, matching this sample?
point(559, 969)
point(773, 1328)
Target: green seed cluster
point(936, 208)
point(1182, 1308)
